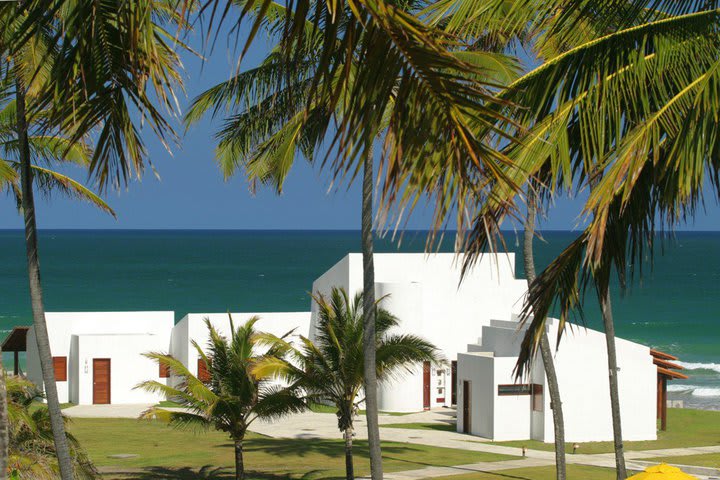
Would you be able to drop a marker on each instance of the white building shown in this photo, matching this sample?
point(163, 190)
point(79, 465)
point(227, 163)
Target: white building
point(493, 405)
point(473, 323)
point(192, 327)
point(98, 355)
point(425, 293)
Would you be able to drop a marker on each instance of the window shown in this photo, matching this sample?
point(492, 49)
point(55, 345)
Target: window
point(514, 389)
point(60, 367)
point(203, 372)
point(164, 371)
point(537, 397)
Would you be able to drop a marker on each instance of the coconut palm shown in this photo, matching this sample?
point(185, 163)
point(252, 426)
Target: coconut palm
point(629, 115)
point(269, 126)
point(236, 394)
point(545, 351)
point(75, 69)
point(330, 369)
point(32, 451)
point(47, 150)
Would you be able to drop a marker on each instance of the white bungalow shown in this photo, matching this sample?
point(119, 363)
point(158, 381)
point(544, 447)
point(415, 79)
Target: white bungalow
point(98, 355)
point(192, 327)
point(425, 293)
point(492, 404)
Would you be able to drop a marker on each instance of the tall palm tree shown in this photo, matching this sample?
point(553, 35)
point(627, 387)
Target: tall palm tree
point(80, 67)
point(236, 394)
point(545, 350)
point(630, 115)
point(331, 369)
point(273, 127)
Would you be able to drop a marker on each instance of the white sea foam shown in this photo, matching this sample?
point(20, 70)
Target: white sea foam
point(695, 390)
point(681, 388)
point(700, 366)
point(706, 392)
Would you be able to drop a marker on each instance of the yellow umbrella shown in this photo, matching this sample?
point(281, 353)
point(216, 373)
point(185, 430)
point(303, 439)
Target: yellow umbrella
point(662, 472)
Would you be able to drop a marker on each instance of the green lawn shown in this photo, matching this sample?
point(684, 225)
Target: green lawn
point(447, 427)
point(686, 428)
point(164, 452)
point(574, 472)
point(703, 460)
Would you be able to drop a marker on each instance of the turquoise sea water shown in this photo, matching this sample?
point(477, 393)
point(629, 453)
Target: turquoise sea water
point(675, 307)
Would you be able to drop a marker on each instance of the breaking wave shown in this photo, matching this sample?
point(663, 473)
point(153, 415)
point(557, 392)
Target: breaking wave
point(695, 390)
point(715, 367)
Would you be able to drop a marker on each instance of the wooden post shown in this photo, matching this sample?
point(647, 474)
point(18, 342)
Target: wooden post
point(663, 419)
point(16, 366)
point(658, 408)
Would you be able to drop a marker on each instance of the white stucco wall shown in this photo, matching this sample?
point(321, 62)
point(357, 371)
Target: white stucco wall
point(128, 366)
point(62, 326)
point(192, 328)
point(581, 364)
point(425, 292)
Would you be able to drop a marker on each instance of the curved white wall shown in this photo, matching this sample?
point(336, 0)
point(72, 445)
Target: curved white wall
point(403, 392)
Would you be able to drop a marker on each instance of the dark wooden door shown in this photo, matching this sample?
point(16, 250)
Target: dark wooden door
point(426, 385)
point(466, 407)
point(101, 380)
point(453, 380)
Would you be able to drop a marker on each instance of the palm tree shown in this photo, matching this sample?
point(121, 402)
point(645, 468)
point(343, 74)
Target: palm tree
point(331, 369)
point(630, 115)
point(36, 148)
point(236, 394)
point(273, 127)
point(545, 351)
point(32, 451)
point(74, 79)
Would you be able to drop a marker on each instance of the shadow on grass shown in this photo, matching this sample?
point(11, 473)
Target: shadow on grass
point(208, 472)
point(315, 446)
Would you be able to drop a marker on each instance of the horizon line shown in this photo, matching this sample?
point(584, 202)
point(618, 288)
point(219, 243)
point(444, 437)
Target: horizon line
point(318, 230)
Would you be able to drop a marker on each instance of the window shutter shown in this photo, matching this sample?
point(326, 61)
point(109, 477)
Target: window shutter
point(60, 367)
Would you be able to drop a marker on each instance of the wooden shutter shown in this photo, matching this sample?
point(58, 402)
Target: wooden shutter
point(537, 397)
point(164, 371)
point(203, 372)
point(60, 367)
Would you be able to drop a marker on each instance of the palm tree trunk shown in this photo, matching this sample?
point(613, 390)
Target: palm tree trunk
point(349, 469)
point(239, 463)
point(606, 308)
point(370, 372)
point(545, 352)
point(3, 423)
point(62, 449)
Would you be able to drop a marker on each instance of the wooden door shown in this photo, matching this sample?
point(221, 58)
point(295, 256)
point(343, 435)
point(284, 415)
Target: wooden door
point(426, 385)
point(466, 407)
point(101, 380)
point(453, 380)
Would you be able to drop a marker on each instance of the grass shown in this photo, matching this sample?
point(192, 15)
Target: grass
point(686, 428)
point(574, 472)
point(445, 427)
point(711, 460)
point(164, 452)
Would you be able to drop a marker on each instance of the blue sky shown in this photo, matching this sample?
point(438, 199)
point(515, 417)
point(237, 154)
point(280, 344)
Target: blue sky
point(191, 193)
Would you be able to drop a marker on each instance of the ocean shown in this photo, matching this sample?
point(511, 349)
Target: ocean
point(674, 306)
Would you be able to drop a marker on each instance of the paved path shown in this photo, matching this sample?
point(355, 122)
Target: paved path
point(106, 411)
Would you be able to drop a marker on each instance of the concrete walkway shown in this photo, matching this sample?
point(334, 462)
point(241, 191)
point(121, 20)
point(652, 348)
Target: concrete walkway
point(106, 411)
